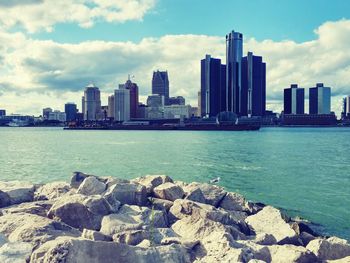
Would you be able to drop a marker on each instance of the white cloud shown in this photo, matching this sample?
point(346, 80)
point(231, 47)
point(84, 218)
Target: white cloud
point(48, 73)
point(35, 15)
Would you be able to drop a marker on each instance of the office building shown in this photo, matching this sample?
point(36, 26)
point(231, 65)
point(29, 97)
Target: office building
point(211, 87)
point(177, 111)
point(199, 104)
point(160, 84)
point(234, 53)
point(91, 103)
point(111, 109)
point(253, 91)
point(46, 113)
point(141, 111)
point(179, 100)
point(320, 99)
point(134, 97)
point(57, 116)
point(2, 113)
point(294, 100)
point(71, 111)
point(347, 106)
point(155, 106)
point(122, 104)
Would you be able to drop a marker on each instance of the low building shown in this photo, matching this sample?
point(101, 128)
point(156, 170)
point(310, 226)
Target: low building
point(309, 119)
point(46, 113)
point(141, 111)
point(57, 116)
point(2, 113)
point(177, 111)
point(71, 111)
point(155, 107)
point(179, 100)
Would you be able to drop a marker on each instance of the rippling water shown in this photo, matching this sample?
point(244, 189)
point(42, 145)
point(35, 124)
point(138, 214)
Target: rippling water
point(305, 171)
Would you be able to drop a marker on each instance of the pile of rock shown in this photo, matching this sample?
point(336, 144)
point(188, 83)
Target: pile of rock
point(150, 219)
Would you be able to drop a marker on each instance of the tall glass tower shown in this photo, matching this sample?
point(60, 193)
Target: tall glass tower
point(234, 53)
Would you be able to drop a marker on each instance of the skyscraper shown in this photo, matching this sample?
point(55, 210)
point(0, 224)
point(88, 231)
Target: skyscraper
point(111, 109)
point(347, 105)
point(234, 52)
point(160, 84)
point(320, 99)
point(122, 104)
point(253, 91)
point(71, 111)
point(91, 103)
point(294, 100)
point(134, 97)
point(211, 86)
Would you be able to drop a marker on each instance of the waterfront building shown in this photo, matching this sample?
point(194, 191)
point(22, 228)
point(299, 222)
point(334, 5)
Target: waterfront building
point(309, 119)
point(134, 97)
point(155, 106)
point(46, 113)
point(2, 113)
point(177, 111)
point(141, 111)
point(199, 103)
point(179, 100)
point(111, 109)
point(122, 104)
point(71, 111)
point(347, 112)
point(104, 113)
point(211, 86)
point(194, 112)
point(253, 95)
point(91, 103)
point(160, 84)
point(294, 100)
point(57, 116)
point(320, 99)
point(234, 53)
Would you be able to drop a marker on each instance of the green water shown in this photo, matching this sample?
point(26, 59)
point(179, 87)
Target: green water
point(305, 171)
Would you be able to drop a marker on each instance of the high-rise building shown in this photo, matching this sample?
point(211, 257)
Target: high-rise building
point(2, 113)
point(320, 99)
point(155, 107)
point(71, 111)
point(111, 109)
point(179, 100)
point(294, 100)
point(134, 97)
point(91, 103)
point(160, 84)
point(199, 103)
point(211, 86)
point(253, 95)
point(122, 104)
point(347, 106)
point(234, 53)
point(46, 113)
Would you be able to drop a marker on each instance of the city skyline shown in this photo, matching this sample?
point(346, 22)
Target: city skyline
point(54, 70)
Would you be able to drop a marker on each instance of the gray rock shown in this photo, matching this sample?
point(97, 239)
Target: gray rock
point(80, 211)
point(213, 194)
point(87, 251)
point(23, 227)
point(196, 195)
point(290, 253)
point(329, 249)
point(91, 186)
point(18, 192)
point(270, 221)
point(40, 208)
point(95, 235)
point(51, 190)
point(168, 191)
point(152, 181)
point(17, 252)
point(234, 202)
point(160, 204)
point(342, 260)
point(4, 199)
point(265, 239)
point(306, 238)
point(133, 218)
point(127, 193)
point(77, 179)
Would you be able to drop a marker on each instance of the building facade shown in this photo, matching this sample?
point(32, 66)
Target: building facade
point(211, 87)
point(294, 100)
point(46, 112)
point(179, 100)
point(347, 112)
point(134, 98)
point(57, 116)
point(71, 111)
point(160, 84)
point(122, 104)
point(253, 91)
point(320, 99)
point(2, 113)
point(234, 53)
point(91, 103)
point(111, 109)
point(155, 107)
point(177, 111)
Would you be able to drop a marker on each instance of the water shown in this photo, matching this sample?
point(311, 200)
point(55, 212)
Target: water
point(305, 171)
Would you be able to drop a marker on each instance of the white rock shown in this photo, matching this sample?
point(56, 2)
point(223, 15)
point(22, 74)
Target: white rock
point(127, 193)
point(329, 249)
point(95, 235)
point(91, 186)
point(168, 191)
point(51, 190)
point(213, 194)
point(18, 192)
point(152, 181)
point(234, 202)
point(17, 252)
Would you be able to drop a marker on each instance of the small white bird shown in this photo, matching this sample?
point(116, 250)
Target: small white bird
point(215, 180)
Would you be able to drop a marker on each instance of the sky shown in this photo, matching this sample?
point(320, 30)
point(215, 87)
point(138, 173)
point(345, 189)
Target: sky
point(50, 50)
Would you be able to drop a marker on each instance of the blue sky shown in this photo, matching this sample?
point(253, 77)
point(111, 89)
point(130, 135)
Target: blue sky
point(261, 19)
point(50, 50)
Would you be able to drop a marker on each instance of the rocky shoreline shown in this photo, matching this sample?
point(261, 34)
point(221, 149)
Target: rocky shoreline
point(150, 219)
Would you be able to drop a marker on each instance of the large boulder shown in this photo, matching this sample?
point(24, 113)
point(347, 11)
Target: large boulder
point(18, 192)
point(290, 254)
point(5, 199)
point(330, 248)
point(213, 194)
point(95, 235)
point(87, 251)
point(133, 218)
point(23, 227)
point(91, 186)
point(195, 194)
point(127, 193)
point(270, 221)
point(168, 191)
point(152, 181)
point(17, 252)
point(37, 208)
point(234, 202)
point(160, 204)
point(342, 260)
point(51, 191)
point(77, 178)
point(80, 211)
